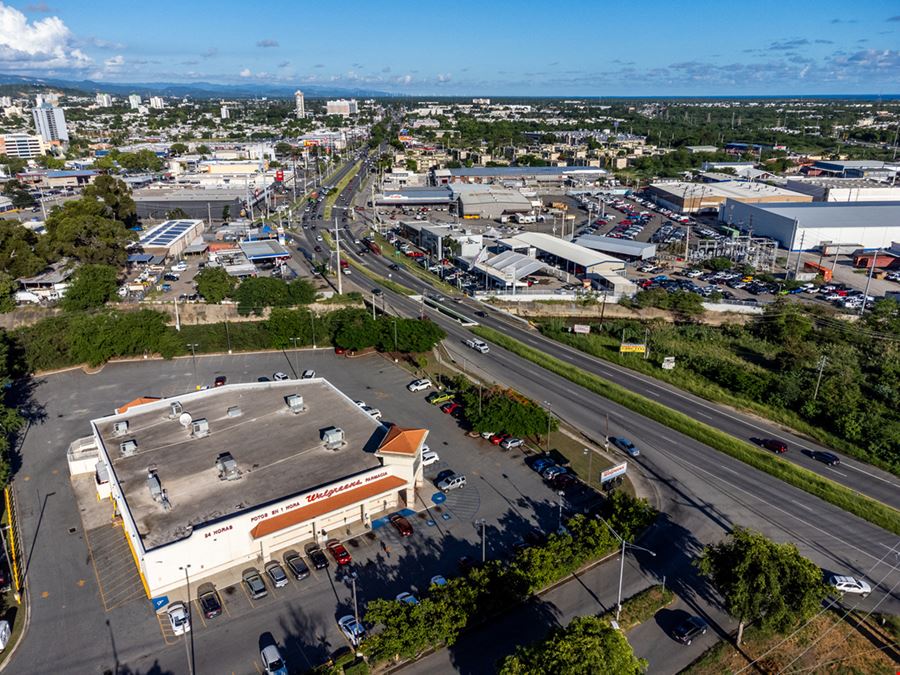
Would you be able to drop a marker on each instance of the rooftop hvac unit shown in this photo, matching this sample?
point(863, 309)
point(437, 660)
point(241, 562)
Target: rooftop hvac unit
point(120, 428)
point(200, 428)
point(333, 437)
point(234, 411)
point(227, 467)
point(295, 403)
point(175, 410)
point(156, 490)
point(128, 448)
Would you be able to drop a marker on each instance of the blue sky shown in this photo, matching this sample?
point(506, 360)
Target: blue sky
point(570, 48)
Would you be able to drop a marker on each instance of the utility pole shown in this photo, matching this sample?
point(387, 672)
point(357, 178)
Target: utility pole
point(606, 436)
point(622, 562)
point(561, 495)
point(312, 325)
point(822, 362)
point(188, 634)
point(862, 308)
point(227, 336)
point(799, 252)
point(590, 453)
point(547, 404)
point(296, 356)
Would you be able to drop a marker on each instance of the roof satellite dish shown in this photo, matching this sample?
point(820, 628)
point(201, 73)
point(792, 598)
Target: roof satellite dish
point(185, 420)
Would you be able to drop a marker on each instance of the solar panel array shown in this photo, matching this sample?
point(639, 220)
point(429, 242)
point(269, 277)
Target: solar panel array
point(166, 233)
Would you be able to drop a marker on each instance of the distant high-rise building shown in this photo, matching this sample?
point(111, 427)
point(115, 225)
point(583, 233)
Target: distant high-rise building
point(299, 103)
point(104, 100)
point(134, 101)
point(5, 101)
point(224, 112)
point(50, 123)
point(481, 101)
point(342, 107)
point(24, 146)
point(157, 102)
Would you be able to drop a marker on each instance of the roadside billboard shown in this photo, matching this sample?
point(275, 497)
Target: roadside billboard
point(632, 348)
point(613, 471)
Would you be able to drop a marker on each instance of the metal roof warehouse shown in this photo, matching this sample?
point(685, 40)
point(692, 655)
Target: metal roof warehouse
point(170, 237)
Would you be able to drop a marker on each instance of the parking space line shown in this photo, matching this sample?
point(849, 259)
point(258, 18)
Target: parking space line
point(199, 612)
point(247, 595)
point(162, 629)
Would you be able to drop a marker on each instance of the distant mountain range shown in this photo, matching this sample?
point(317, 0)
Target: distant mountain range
point(192, 89)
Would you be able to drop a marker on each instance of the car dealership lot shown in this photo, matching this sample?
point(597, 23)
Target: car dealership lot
point(302, 615)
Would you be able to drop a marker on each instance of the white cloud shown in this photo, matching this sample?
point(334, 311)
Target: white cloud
point(246, 72)
point(114, 62)
point(32, 45)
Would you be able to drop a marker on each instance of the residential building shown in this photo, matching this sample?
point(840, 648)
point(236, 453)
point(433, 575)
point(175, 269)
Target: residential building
point(134, 101)
point(157, 102)
point(50, 123)
point(104, 100)
point(224, 113)
point(299, 104)
point(342, 107)
point(24, 146)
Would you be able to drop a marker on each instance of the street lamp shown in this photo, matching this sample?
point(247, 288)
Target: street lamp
point(312, 324)
point(622, 562)
point(590, 453)
point(187, 647)
point(481, 522)
point(296, 356)
point(561, 495)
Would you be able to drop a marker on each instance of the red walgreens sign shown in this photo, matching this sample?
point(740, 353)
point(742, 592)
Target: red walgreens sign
point(279, 176)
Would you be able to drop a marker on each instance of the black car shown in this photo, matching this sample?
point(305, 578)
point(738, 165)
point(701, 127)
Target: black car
point(394, 266)
point(317, 557)
point(827, 457)
point(295, 565)
point(210, 602)
point(690, 628)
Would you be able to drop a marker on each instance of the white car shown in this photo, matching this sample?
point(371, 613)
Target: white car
point(280, 377)
point(360, 403)
point(308, 375)
point(273, 663)
point(372, 412)
point(849, 585)
point(179, 618)
point(477, 345)
point(419, 385)
point(429, 457)
point(352, 629)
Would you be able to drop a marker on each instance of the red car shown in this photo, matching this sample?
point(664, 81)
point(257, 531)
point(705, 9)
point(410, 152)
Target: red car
point(451, 408)
point(404, 529)
point(340, 554)
point(497, 439)
point(774, 445)
point(340, 351)
point(220, 381)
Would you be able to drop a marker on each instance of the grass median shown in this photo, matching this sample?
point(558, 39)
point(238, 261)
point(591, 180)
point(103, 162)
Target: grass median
point(338, 189)
point(834, 493)
point(396, 256)
point(385, 283)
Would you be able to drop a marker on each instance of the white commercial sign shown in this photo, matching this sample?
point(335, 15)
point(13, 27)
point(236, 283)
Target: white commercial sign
point(581, 328)
point(613, 471)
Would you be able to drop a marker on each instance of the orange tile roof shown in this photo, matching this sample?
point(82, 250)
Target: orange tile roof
point(138, 401)
point(400, 441)
point(321, 507)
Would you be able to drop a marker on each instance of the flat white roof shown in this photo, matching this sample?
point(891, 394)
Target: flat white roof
point(560, 248)
point(729, 189)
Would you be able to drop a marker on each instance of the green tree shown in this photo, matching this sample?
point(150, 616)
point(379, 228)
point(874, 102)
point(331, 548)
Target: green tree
point(177, 149)
point(177, 214)
point(20, 197)
point(588, 645)
point(355, 329)
point(214, 284)
point(203, 150)
point(14, 165)
point(50, 162)
point(83, 230)
point(8, 288)
point(226, 213)
point(18, 257)
point(499, 409)
point(412, 165)
point(92, 286)
point(116, 195)
point(763, 581)
point(412, 335)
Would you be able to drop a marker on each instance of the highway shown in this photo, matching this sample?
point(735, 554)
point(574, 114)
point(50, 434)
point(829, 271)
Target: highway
point(701, 492)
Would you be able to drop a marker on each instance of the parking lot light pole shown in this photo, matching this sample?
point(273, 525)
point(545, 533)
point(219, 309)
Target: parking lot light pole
point(312, 324)
point(190, 633)
point(482, 522)
point(590, 453)
point(561, 495)
point(625, 545)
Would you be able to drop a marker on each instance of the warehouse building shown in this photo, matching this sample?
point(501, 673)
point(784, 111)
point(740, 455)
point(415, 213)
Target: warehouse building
point(708, 197)
point(216, 480)
point(171, 237)
point(867, 225)
point(433, 238)
point(196, 203)
point(415, 196)
point(854, 168)
point(480, 201)
point(524, 175)
point(831, 189)
point(623, 248)
point(564, 255)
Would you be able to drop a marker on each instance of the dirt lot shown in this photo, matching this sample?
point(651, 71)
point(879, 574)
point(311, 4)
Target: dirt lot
point(827, 644)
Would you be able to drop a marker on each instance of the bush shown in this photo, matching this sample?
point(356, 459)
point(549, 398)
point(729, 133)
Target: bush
point(214, 284)
point(257, 293)
point(92, 286)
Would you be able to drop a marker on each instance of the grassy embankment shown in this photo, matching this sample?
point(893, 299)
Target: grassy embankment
point(834, 493)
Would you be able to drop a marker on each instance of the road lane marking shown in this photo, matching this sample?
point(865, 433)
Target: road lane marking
point(872, 475)
point(839, 473)
point(729, 469)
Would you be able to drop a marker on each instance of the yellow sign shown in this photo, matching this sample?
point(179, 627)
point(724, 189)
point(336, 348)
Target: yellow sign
point(629, 347)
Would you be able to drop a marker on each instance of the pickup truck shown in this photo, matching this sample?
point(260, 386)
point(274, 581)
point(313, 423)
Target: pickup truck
point(477, 345)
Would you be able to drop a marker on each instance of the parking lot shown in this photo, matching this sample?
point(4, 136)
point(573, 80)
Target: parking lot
point(501, 488)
